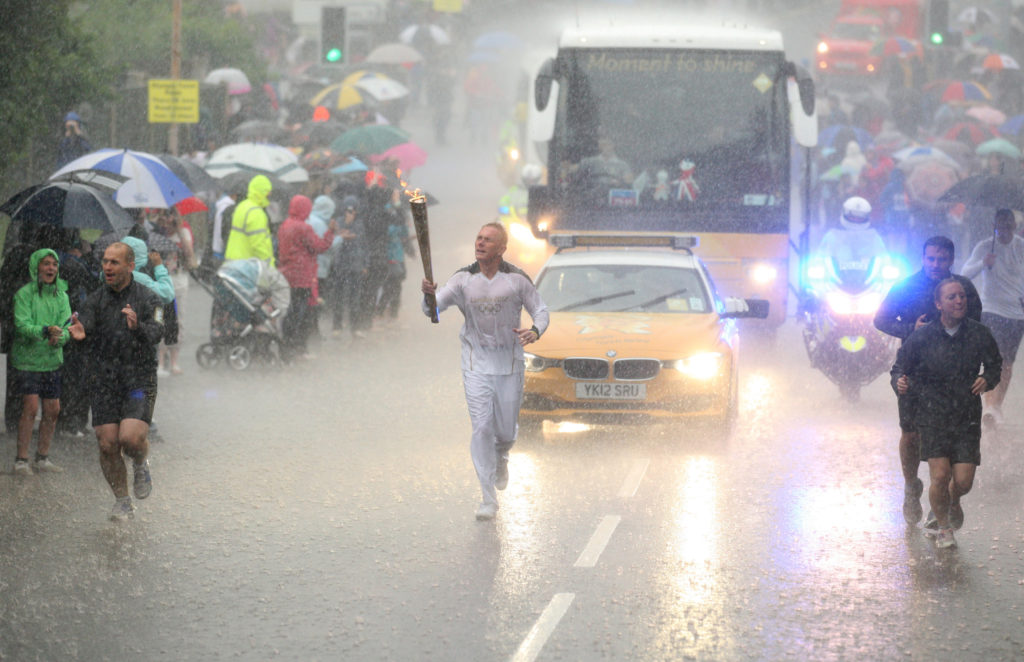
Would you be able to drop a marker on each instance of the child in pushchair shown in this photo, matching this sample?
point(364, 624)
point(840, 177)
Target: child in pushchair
point(250, 299)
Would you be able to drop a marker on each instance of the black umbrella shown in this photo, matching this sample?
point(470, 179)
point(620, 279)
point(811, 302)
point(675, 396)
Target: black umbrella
point(995, 191)
point(80, 199)
point(238, 182)
point(259, 131)
point(194, 177)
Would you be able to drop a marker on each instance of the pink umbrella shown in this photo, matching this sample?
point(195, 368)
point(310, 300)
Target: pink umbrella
point(928, 181)
point(409, 155)
point(988, 115)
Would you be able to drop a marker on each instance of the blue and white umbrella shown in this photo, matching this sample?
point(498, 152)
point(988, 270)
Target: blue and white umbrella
point(150, 182)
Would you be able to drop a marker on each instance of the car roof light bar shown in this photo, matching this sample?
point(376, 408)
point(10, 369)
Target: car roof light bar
point(674, 240)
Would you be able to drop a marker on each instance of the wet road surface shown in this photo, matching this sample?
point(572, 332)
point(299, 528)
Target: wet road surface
point(325, 512)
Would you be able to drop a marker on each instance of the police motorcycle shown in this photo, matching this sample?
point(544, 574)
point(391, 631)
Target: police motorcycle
point(846, 282)
point(524, 249)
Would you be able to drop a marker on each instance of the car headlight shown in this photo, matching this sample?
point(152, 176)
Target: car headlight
point(536, 363)
point(822, 47)
point(702, 366)
point(763, 274)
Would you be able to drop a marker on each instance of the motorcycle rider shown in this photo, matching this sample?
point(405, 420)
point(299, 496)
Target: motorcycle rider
point(855, 242)
point(513, 204)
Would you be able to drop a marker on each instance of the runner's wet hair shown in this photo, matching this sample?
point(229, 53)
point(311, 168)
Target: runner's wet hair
point(500, 227)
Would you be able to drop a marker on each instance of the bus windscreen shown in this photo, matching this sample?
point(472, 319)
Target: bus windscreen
point(671, 129)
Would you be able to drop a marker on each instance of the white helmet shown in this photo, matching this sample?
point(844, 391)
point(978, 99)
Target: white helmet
point(856, 213)
point(531, 174)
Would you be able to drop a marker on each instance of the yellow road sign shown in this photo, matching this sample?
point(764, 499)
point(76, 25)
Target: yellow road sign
point(173, 101)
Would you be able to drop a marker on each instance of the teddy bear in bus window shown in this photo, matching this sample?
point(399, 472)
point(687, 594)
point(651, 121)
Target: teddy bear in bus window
point(661, 186)
point(686, 188)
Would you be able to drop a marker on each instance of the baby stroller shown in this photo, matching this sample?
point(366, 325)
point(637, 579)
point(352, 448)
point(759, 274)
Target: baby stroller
point(249, 299)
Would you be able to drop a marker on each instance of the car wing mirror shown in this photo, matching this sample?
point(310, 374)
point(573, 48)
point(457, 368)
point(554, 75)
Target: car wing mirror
point(736, 308)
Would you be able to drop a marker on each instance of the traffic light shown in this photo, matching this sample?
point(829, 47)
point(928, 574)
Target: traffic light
point(938, 22)
point(332, 35)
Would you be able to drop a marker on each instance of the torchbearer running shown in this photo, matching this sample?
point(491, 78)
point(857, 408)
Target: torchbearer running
point(491, 294)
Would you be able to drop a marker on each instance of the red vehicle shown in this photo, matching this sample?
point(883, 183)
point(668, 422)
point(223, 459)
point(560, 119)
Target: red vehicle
point(851, 46)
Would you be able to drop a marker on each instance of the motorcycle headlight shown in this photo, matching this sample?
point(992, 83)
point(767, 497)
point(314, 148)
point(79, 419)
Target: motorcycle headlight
point(891, 272)
point(840, 303)
point(536, 363)
point(867, 304)
point(702, 366)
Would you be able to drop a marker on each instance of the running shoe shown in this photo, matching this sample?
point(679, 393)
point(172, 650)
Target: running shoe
point(501, 474)
point(931, 525)
point(956, 515)
point(44, 465)
point(123, 510)
point(486, 511)
point(912, 492)
point(21, 468)
point(142, 482)
point(944, 539)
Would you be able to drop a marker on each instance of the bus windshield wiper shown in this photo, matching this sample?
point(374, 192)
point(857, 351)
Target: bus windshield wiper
point(591, 301)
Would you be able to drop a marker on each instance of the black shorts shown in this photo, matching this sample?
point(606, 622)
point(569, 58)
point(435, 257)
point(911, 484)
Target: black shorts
point(1007, 332)
point(907, 405)
point(44, 384)
point(960, 443)
point(115, 400)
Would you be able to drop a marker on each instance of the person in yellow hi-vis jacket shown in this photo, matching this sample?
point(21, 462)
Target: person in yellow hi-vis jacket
point(250, 226)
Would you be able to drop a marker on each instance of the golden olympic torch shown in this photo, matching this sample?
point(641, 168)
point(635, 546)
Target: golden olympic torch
point(418, 205)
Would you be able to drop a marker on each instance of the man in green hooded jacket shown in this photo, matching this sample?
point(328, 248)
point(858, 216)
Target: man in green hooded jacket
point(41, 316)
point(250, 226)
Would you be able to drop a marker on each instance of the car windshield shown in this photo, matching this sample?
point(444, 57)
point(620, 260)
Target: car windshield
point(624, 288)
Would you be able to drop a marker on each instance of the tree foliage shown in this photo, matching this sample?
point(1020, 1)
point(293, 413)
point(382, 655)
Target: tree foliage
point(48, 64)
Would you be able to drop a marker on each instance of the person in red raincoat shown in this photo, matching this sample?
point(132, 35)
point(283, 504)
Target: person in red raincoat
point(298, 245)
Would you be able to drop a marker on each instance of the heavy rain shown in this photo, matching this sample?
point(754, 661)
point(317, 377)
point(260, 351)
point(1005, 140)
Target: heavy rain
point(708, 457)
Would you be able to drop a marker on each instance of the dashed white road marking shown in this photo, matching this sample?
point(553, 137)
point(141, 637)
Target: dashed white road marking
point(598, 541)
point(542, 629)
point(632, 482)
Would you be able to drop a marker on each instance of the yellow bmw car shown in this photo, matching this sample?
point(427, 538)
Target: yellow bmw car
point(637, 329)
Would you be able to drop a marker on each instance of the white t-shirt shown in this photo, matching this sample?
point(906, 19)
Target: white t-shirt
point(492, 309)
point(1002, 286)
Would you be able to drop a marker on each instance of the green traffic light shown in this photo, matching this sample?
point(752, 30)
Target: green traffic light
point(333, 55)
point(937, 38)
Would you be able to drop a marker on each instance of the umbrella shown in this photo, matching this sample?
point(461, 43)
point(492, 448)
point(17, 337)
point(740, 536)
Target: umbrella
point(965, 91)
point(995, 191)
point(828, 136)
point(382, 88)
point(890, 140)
point(927, 182)
point(191, 205)
point(394, 53)
point(987, 115)
point(352, 165)
point(238, 182)
point(317, 133)
point(320, 159)
point(974, 132)
point(434, 33)
point(897, 46)
point(1012, 126)
point(258, 131)
point(195, 178)
point(1000, 146)
point(976, 16)
point(498, 40)
point(922, 152)
point(257, 159)
point(409, 155)
point(150, 182)
point(958, 151)
point(999, 62)
point(235, 80)
point(369, 139)
point(483, 57)
point(72, 200)
point(338, 96)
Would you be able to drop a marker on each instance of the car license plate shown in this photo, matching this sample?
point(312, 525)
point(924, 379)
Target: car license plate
point(606, 391)
point(841, 64)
